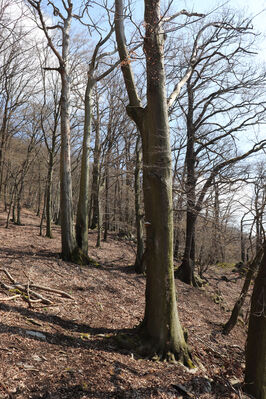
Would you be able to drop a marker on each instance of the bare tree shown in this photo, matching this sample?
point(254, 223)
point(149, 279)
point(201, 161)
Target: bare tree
point(160, 329)
point(220, 100)
point(64, 17)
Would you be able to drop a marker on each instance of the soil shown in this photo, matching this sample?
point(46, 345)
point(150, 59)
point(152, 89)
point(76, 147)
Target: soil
point(67, 349)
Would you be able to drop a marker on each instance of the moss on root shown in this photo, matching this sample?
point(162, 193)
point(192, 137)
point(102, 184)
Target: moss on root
point(80, 258)
point(146, 348)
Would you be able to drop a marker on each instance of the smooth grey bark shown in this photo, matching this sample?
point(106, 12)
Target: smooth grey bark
point(82, 220)
point(95, 173)
point(107, 181)
point(68, 240)
point(50, 171)
point(99, 215)
point(160, 329)
point(66, 205)
point(255, 374)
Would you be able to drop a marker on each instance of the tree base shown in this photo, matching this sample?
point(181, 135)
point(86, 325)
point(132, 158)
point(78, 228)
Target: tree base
point(139, 266)
point(144, 347)
point(80, 258)
point(186, 274)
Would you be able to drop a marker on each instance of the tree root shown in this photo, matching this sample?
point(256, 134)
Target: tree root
point(144, 347)
point(28, 291)
point(80, 258)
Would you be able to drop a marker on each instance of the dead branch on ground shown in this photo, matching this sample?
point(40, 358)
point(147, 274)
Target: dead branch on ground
point(28, 292)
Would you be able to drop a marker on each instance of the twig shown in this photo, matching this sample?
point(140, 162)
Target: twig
point(8, 275)
point(63, 293)
point(26, 290)
point(10, 298)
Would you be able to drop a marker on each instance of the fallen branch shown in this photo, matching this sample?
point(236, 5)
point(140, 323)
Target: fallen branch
point(9, 298)
point(28, 291)
point(48, 289)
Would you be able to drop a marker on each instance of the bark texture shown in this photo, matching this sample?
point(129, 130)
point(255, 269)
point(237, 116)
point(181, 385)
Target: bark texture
point(139, 265)
point(161, 330)
point(82, 220)
point(255, 375)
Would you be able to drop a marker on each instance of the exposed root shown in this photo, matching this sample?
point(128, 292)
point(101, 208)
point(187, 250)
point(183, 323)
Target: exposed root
point(146, 348)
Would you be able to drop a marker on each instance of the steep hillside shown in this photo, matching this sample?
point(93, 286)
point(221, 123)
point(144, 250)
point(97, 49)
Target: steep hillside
point(67, 349)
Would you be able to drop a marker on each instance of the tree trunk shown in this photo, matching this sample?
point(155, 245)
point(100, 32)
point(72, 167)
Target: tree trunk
point(44, 210)
point(139, 265)
point(48, 196)
point(67, 228)
point(107, 182)
point(160, 329)
point(240, 302)
point(186, 271)
point(82, 222)
point(95, 173)
point(99, 215)
point(3, 140)
point(19, 196)
point(161, 323)
point(255, 375)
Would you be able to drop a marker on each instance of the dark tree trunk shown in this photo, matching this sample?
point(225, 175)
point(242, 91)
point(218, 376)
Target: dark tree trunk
point(48, 232)
point(240, 302)
point(186, 271)
point(255, 374)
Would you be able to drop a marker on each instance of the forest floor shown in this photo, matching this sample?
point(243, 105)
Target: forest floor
point(66, 349)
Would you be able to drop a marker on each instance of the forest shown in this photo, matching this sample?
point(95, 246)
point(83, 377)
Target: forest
point(133, 200)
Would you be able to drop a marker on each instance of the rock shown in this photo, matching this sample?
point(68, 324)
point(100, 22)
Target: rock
point(36, 334)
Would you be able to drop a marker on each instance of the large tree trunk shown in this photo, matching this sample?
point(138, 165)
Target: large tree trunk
point(255, 375)
point(67, 227)
point(161, 323)
point(82, 221)
point(160, 329)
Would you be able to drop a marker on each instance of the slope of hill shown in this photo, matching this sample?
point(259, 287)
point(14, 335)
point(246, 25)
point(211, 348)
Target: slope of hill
point(66, 349)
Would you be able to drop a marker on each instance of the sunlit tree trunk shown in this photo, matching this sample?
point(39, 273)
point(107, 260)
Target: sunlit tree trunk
point(95, 173)
point(67, 226)
point(160, 329)
point(83, 202)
